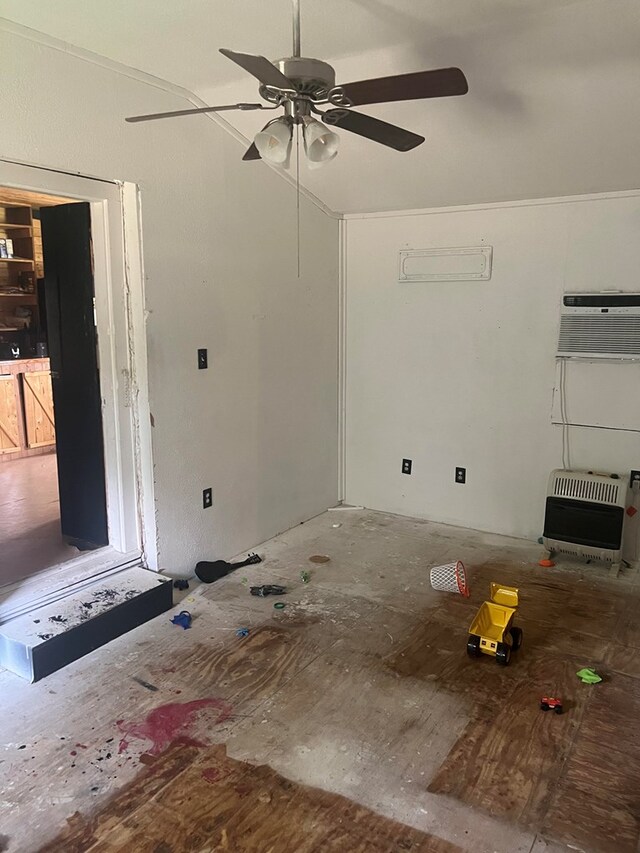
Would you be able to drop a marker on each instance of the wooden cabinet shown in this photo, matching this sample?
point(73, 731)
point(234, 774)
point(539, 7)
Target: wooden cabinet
point(27, 424)
point(10, 435)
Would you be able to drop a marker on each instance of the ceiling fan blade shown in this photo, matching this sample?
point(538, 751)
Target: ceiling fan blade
point(195, 111)
point(373, 128)
point(260, 67)
point(252, 153)
point(440, 83)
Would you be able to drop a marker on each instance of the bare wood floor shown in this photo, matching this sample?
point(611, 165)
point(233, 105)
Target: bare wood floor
point(30, 538)
point(352, 720)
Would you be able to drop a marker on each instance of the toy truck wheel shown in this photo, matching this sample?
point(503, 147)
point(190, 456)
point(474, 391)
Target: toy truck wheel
point(558, 709)
point(544, 706)
point(473, 646)
point(503, 654)
point(516, 638)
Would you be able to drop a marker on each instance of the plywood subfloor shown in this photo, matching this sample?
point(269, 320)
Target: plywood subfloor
point(351, 720)
point(217, 803)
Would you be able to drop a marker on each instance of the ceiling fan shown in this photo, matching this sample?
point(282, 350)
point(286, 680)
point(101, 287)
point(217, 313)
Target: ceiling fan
point(299, 85)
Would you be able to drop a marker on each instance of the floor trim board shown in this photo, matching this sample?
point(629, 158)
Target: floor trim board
point(58, 582)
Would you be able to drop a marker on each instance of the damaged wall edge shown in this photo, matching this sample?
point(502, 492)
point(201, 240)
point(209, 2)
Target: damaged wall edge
point(139, 371)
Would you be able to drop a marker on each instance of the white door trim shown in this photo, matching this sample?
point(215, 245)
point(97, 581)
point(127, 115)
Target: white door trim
point(122, 353)
point(139, 372)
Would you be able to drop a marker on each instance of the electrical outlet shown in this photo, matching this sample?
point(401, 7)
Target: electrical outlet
point(406, 466)
point(461, 475)
point(634, 477)
point(202, 359)
point(207, 498)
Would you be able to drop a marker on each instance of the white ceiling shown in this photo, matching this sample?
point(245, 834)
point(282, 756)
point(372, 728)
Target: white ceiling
point(553, 107)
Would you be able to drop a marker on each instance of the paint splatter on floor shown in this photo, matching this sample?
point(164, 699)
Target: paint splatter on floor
point(168, 723)
point(212, 774)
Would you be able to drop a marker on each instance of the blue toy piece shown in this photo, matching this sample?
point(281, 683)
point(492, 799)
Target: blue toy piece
point(183, 619)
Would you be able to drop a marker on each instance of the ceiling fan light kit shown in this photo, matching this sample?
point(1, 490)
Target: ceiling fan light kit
point(300, 85)
point(320, 143)
point(274, 141)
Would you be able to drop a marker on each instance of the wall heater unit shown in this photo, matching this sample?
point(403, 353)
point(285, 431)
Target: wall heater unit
point(600, 325)
point(585, 515)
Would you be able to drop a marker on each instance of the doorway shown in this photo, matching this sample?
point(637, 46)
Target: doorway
point(95, 507)
point(52, 489)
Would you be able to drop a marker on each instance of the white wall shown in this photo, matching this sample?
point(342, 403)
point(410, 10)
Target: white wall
point(260, 426)
point(462, 373)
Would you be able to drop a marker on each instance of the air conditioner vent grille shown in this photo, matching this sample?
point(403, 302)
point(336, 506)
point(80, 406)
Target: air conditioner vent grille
point(602, 334)
point(598, 491)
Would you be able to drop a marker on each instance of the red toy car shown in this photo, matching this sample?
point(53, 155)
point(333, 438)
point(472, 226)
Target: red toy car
point(551, 703)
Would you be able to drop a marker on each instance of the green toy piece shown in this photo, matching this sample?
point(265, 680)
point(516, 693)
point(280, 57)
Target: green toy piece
point(305, 577)
point(588, 676)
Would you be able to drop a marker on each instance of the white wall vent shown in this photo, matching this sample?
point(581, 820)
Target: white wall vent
point(462, 264)
point(600, 325)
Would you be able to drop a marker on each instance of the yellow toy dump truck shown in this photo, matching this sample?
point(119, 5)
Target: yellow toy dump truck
point(492, 631)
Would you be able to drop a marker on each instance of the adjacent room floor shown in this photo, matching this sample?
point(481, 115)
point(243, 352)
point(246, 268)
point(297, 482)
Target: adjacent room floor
point(351, 720)
point(30, 538)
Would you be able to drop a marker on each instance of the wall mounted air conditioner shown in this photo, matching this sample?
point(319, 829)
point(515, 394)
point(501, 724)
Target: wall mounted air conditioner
point(600, 325)
point(584, 515)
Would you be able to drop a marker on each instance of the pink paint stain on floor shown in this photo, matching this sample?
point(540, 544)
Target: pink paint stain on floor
point(166, 723)
point(213, 774)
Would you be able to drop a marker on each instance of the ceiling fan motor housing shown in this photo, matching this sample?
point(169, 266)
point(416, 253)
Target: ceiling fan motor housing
point(311, 77)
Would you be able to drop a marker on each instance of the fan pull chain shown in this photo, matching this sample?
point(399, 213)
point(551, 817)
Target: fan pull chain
point(298, 192)
point(296, 52)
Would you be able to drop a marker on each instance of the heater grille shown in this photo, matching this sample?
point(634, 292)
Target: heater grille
point(586, 489)
point(600, 334)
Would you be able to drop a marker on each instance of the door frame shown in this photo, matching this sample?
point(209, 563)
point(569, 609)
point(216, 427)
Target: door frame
point(122, 355)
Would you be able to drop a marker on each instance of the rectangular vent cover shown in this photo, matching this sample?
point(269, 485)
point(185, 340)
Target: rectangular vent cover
point(460, 264)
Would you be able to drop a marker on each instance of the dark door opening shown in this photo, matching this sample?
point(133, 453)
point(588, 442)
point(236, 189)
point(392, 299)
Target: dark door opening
point(69, 289)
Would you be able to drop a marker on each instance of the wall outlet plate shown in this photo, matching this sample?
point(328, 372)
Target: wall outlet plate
point(202, 359)
point(461, 475)
point(406, 466)
point(207, 498)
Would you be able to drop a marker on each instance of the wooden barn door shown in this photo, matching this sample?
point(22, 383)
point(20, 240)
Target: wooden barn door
point(9, 427)
point(38, 408)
